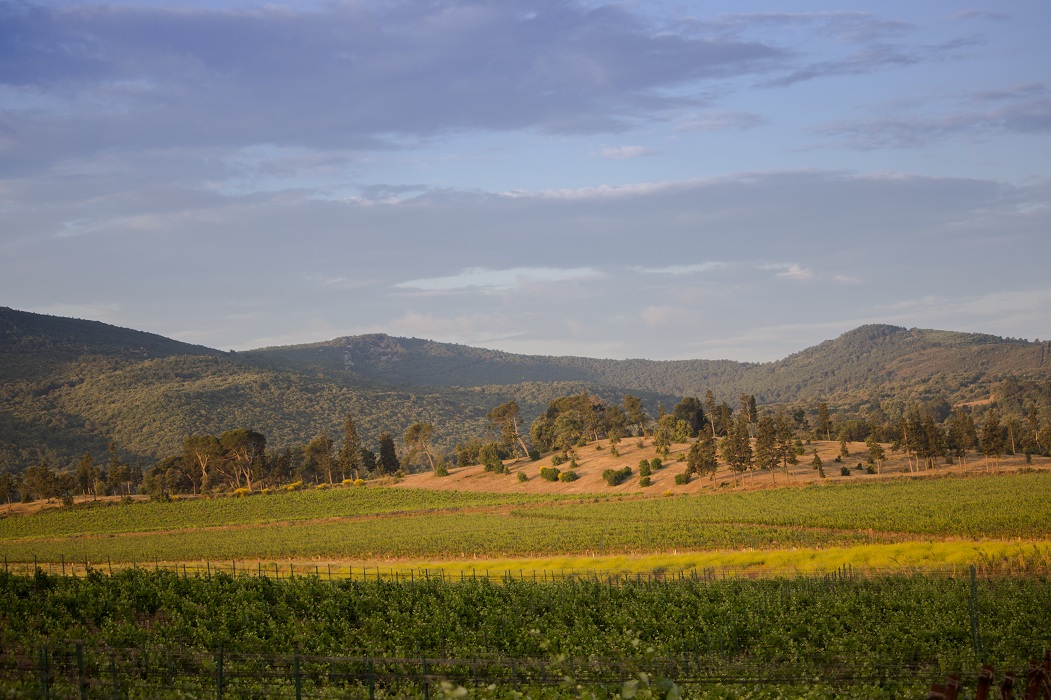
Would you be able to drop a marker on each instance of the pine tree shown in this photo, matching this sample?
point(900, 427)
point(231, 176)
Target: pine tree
point(388, 457)
point(349, 456)
point(767, 456)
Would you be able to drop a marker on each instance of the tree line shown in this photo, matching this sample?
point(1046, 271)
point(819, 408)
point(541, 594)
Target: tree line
point(747, 438)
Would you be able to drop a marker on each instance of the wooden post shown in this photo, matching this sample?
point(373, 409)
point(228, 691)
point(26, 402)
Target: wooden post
point(952, 687)
point(985, 682)
point(1007, 691)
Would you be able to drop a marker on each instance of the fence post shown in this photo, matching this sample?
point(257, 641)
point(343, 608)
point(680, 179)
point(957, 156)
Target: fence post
point(45, 682)
point(113, 674)
point(985, 682)
point(219, 674)
point(82, 682)
point(372, 681)
point(423, 676)
point(298, 675)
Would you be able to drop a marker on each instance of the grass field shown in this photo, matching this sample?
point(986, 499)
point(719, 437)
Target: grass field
point(879, 525)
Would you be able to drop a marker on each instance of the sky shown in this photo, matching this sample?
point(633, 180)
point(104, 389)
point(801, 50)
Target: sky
point(664, 180)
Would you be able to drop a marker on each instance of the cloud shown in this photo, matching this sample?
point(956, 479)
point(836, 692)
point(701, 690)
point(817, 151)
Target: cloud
point(681, 269)
point(1027, 111)
point(980, 14)
point(347, 75)
point(790, 271)
point(483, 278)
point(721, 120)
point(622, 152)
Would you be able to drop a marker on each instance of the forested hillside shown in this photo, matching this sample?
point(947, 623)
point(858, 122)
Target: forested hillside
point(69, 386)
point(881, 357)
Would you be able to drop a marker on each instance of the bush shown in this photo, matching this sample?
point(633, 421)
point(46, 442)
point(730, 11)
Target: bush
point(320, 487)
point(656, 464)
point(568, 476)
point(844, 470)
point(682, 479)
point(644, 468)
point(441, 470)
point(557, 460)
point(644, 481)
point(616, 477)
point(348, 482)
point(870, 469)
point(241, 492)
point(522, 477)
point(359, 482)
point(294, 486)
point(534, 455)
point(549, 473)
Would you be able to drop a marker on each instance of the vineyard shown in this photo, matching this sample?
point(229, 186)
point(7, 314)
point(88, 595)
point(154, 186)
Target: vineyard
point(879, 637)
point(975, 514)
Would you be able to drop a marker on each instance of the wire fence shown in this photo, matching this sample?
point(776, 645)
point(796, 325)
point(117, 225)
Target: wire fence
point(71, 670)
point(334, 571)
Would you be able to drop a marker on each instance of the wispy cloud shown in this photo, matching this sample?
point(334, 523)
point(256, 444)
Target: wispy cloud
point(623, 152)
point(681, 269)
point(483, 278)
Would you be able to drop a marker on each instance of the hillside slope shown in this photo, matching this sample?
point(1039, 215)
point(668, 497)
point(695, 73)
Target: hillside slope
point(69, 386)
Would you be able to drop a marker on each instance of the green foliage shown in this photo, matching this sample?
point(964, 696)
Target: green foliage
point(549, 473)
point(794, 627)
point(522, 478)
point(644, 468)
point(616, 477)
point(569, 475)
point(645, 481)
point(682, 479)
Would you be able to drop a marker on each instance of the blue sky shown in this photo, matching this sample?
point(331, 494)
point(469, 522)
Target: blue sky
point(661, 180)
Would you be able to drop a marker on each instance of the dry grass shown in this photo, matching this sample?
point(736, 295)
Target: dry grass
point(592, 462)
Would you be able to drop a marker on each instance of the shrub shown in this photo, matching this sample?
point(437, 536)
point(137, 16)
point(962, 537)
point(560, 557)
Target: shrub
point(359, 482)
point(320, 487)
point(682, 479)
point(441, 470)
point(568, 476)
point(844, 470)
point(549, 473)
point(241, 492)
point(348, 482)
point(614, 451)
point(398, 474)
point(616, 477)
point(557, 460)
point(294, 486)
point(534, 455)
point(656, 464)
point(522, 477)
point(644, 481)
point(870, 469)
point(644, 468)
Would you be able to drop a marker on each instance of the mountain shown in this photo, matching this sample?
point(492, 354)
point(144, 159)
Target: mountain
point(68, 386)
point(868, 357)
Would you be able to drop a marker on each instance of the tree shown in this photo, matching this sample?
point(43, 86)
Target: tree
point(818, 464)
point(736, 448)
point(416, 438)
point(349, 457)
point(767, 455)
point(87, 475)
point(244, 452)
point(691, 410)
point(992, 439)
point(786, 448)
point(39, 481)
point(876, 453)
point(368, 460)
point(701, 458)
point(824, 421)
point(8, 486)
point(962, 435)
point(318, 459)
point(635, 413)
point(388, 458)
point(203, 451)
point(505, 417)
